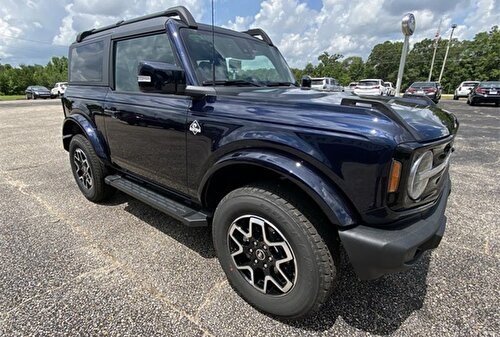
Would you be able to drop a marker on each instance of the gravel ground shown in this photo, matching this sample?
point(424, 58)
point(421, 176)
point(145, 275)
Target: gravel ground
point(71, 267)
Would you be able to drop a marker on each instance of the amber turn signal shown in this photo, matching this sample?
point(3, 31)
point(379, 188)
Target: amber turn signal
point(394, 176)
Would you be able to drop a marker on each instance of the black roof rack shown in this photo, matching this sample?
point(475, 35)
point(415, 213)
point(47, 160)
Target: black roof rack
point(180, 11)
point(259, 32)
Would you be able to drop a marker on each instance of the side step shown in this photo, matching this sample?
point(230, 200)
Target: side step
point(184, 214)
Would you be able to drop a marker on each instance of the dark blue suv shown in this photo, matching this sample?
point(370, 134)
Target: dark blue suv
point(209, 126)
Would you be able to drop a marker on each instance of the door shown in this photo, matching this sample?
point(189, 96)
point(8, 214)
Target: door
point(146, 132)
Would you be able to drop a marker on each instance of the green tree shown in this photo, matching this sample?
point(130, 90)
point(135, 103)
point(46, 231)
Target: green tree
point(383, 61)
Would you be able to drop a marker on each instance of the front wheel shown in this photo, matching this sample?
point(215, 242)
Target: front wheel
point(455, 97)
point(272, 254)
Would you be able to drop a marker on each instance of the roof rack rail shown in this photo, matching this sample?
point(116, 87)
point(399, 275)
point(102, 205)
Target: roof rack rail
point(182, 12)
point(259, 32)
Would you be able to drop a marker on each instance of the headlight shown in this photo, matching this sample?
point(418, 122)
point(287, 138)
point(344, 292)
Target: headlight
point(416, 182)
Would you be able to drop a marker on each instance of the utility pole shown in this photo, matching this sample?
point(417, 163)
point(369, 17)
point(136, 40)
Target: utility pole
point(453, 26)
point(436, 42)
point(408, 27)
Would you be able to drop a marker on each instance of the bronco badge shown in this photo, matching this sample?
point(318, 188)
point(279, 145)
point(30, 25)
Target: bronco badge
point(195, 127)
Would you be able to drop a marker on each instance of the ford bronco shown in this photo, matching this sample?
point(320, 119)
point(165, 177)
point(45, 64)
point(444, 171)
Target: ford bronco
point(209, 126)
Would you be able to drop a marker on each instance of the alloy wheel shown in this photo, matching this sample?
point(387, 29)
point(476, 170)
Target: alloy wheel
point(82, 169)
point(262, 255)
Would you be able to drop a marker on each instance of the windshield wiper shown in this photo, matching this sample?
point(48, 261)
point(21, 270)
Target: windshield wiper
point(231, 82)
point(280, 84)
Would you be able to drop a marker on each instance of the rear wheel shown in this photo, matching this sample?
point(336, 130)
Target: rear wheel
point(88, 170)
point(272, 254)
point(455, 97)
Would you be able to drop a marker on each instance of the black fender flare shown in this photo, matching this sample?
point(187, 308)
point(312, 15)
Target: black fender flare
point(321, 191)
point(89, 130)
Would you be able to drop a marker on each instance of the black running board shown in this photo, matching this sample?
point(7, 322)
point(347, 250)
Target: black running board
point(184, 214)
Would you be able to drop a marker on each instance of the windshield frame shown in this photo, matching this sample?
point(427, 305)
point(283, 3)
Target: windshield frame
point(235, 35)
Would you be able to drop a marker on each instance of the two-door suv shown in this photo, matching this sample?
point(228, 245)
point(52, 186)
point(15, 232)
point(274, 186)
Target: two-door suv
point(207, 125)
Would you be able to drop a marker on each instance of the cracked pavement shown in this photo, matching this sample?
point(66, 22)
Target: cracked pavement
point(71, 267)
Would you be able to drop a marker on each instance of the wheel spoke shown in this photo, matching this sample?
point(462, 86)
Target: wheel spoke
point(262, 254)
point(82, 168)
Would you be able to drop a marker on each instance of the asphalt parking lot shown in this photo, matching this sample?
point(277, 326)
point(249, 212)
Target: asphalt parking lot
point(71, 267)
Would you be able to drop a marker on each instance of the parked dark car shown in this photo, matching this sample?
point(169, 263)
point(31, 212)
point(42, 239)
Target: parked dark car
point(221, 136)
point(485, 92)
point(432, 90)
point(37, 91)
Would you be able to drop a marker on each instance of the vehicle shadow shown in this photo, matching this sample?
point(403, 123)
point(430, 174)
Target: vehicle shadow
point(198, 240)
point(378, 306)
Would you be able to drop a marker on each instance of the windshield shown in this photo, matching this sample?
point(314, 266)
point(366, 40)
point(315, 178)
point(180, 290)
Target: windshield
point(317, 82)
point(367, 83)
point(469, 84)
point(40, 88)
point(423, 85)
point(489, 84)
point(238, 60)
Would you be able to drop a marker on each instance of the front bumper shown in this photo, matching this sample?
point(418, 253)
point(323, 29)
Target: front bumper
point(43, 95)
point(374, 252)
point(462, 93)
point(374, 92)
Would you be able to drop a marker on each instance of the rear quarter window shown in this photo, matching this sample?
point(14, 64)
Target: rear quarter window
point(86, 64)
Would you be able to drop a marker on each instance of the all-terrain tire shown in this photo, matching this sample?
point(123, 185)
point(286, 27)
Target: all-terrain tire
point(315, 272)
point(88, 162)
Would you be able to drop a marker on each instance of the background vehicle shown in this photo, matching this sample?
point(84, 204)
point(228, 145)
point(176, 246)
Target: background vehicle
point(59, 89)
point(351, 86)
point(37, 91)
point(326, 84)
point(485, 92)
point(464, 89)
point(430, 89)
point(390, 90)
point(370, 87)
point(284, 175)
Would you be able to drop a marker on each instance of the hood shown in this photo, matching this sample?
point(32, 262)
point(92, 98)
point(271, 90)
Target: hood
point(422, 123)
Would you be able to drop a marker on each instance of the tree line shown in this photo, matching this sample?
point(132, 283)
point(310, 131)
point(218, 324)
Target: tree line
point(14, 80)
point(476, 59)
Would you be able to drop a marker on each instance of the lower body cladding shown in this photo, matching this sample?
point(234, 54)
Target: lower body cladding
point(374, 252)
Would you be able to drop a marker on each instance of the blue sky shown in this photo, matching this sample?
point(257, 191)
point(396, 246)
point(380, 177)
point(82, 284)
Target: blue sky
point(31, 31)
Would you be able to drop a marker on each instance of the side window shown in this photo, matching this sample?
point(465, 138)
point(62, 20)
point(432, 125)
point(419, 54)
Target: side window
point(87, 62)
point(128, 54)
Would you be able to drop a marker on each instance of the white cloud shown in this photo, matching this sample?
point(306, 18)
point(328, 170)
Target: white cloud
point(300, 31)
point(86, 14)
point(8, 36)
point(354, 27)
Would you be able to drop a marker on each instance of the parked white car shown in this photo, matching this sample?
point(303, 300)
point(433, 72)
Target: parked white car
point(370, 87)
point(464, 89)
point(351, 86)
point(326, 84)
point(59, 89)
point(389, 89)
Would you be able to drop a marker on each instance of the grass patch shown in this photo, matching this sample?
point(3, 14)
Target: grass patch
point(11, 97)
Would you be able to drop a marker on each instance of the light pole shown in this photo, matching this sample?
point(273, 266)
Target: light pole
point(408, 27)
point(453, 26)
point(436, 42)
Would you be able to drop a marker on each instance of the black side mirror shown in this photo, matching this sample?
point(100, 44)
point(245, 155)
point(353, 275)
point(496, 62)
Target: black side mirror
point(159, 77)
point(306, 82)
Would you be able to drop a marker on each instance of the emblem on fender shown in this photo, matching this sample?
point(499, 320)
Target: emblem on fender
point(195, 127)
